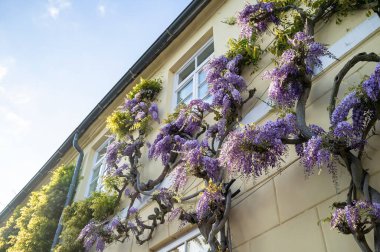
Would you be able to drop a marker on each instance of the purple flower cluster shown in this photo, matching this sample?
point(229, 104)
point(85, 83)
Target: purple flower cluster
point(112, 157)
point(90, 236)
point(226, 84)
point(174, 134)
point(165, 197)
point(256, 18)
point(179, 177)
point(316, 130)
point(372, 85)
point(132, 210)
point(314, 154)
point(310, 50)
point(153, 111)
point(114, 154)
point(255, 149)
point(362, 112)
point(356, 215)
point(174, 214)
point(199, 161)
point(164, 144)
point(341, 111)
point(286, 79)
point(114, 224)
point(100, 244)
point(140, 109)
point(210, 199)
point(285, 87)
point(350, 134)
point(345, 132)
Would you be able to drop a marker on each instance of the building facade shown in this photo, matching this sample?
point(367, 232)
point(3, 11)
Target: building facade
point(280, 211)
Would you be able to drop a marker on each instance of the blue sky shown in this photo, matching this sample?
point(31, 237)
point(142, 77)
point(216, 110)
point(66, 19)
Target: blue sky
point(58, 58)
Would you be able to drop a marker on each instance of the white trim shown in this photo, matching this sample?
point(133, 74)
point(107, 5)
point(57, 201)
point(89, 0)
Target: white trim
point(182, 240)
point(193, 75)
point(96, 162)
point(256, 113)
point(338, 49)
point(350, 40)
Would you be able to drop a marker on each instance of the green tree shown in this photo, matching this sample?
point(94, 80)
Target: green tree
point(32, 227)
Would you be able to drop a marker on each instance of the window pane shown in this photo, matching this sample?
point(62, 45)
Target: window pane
point(93, 186)
point(186, 93)
point(179, 249)
point(95, 173)
point(197, 244)
point(101, 153)
point(204, 55)
point(186, 72)
point(203, 90)
point(202, 76)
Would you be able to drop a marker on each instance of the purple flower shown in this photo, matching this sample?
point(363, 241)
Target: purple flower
point(161, 147)
point(140, 116)
point(129, 104)
point(285, 88)
point(129, 192)
point(256, 17)
point(174, 214)
point(132, 210)
point(225, 82)
point(199, 105)
point(344, 130)
point(211, 166)
point(359, 213)
point(316, 155)
point(114, 223)
point(255, 149)
point(209, 198)
point(153, 111)
point(112, 153)
point(286, 79)
point(341, 111)
point(100, 244)
point(88, 229)
point(129, 149)
point(372, 85)
point(233, 65)
point(179, 177)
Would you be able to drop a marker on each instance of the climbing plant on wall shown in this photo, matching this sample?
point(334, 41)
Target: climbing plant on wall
point(220, 150)
point(97, 207)
point(32, 227)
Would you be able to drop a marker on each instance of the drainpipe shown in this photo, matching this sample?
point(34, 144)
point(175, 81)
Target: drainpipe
point(70, 194)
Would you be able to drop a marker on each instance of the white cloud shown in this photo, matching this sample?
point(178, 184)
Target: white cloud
point(3, 72)
point(55, 7)
point(53, 12)
point(20, 96)
point(102, 10)
point(14, 123)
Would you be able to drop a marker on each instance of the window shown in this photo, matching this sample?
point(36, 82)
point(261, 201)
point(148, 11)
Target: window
point(97, 169)
point(191, 78)
point(192, 242)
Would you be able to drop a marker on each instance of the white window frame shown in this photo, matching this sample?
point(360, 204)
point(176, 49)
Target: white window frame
point(193, 75)
point(181, 240)
point(96, 163)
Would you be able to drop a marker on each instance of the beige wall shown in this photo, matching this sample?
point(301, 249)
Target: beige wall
point(277, 212)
